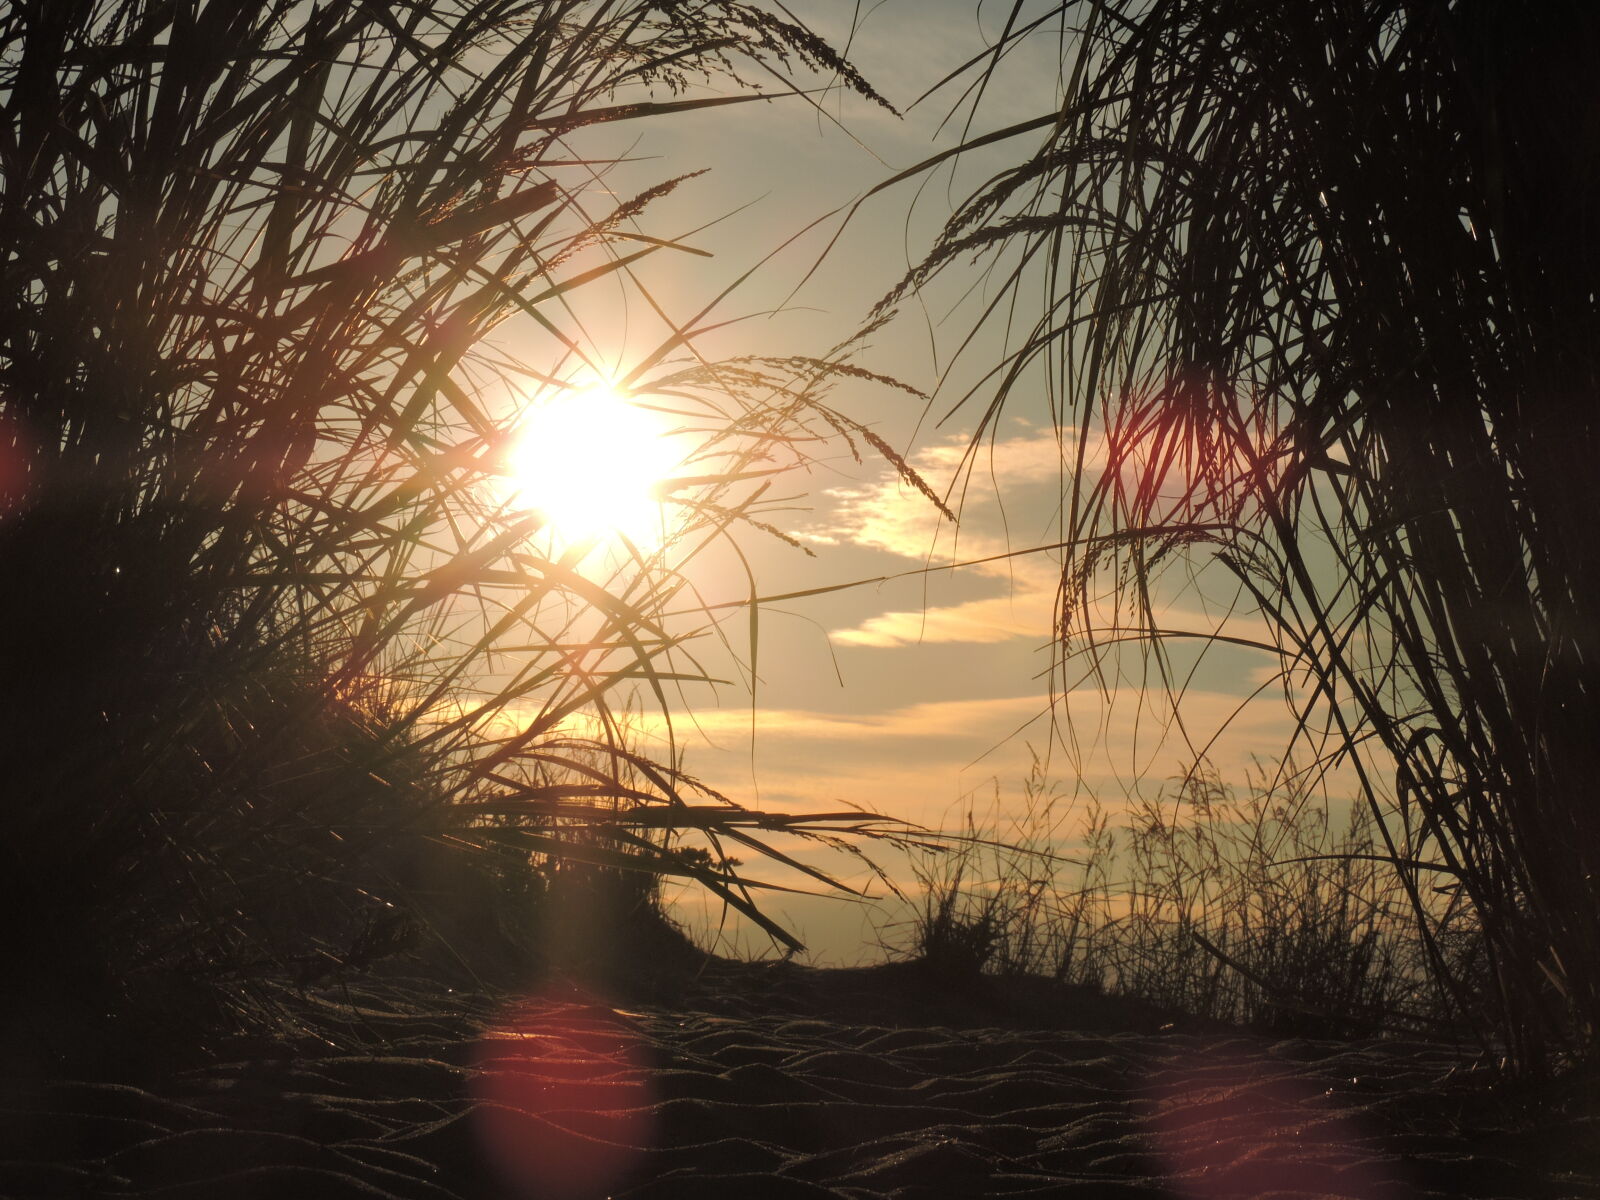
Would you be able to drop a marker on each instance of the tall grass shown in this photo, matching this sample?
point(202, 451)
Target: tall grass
point(1249, 906)
point(1318, 277)
point(273, 636)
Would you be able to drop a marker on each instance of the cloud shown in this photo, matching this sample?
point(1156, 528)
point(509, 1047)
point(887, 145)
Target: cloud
point(916, 761)
point(1027, 475)
point(889, 516)
point(993, 619)
point(1029, 607)
point(892, 518)
point(938, 719)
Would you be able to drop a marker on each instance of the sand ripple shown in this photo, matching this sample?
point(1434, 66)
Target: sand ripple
point(562, 1096)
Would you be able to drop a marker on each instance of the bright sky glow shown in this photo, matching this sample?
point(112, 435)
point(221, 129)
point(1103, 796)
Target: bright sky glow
point(592, 461)
point(910, 695)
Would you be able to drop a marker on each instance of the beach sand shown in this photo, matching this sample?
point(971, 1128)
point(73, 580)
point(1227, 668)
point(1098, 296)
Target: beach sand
point(780, 1081)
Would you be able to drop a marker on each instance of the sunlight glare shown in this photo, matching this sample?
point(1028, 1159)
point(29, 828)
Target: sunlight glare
point(591, 462)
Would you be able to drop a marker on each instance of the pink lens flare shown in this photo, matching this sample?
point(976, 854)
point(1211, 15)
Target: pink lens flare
point(563, 1098)
point(17, 463)
point(1235, 1122)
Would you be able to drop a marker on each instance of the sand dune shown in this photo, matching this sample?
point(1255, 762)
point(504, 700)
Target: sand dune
point(803, 1089)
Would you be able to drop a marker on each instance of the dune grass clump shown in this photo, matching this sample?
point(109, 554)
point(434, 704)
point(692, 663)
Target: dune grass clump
point(992, 894)
point(1257, 909)
point(1317, 309)
point(1261, 910)
point(273, 278)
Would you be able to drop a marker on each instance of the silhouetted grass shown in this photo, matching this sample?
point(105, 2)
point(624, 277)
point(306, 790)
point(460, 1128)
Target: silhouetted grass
point(277, 650)
point(1255, 910)
point(1318, 307)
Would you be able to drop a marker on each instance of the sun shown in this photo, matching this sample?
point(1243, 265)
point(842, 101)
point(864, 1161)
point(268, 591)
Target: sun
point(591, 462)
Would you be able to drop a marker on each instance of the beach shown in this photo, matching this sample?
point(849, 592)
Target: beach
point(773, 1080)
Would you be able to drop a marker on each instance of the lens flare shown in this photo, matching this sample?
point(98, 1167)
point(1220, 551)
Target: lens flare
point(564, 1102)
point(1230, 1124)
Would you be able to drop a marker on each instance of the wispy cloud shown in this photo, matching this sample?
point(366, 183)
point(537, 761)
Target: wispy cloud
point(932, 719)
point(1025, 471)
point(1025, 614)
point(889, 516)
point(916, 761)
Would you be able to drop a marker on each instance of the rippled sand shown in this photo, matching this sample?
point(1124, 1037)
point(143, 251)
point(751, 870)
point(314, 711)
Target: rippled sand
point(782, 1082)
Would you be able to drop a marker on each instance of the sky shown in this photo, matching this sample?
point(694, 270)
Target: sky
point(932, 691)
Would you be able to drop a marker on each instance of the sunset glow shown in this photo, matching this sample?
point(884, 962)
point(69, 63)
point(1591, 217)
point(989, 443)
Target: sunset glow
point(592, 463)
